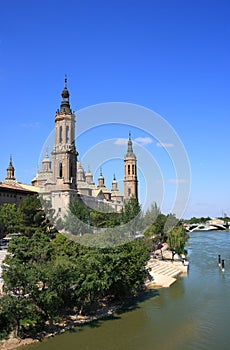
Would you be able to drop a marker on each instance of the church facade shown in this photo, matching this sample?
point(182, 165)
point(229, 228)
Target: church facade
point(63, 178)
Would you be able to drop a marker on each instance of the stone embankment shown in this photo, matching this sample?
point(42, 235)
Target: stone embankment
point(165, 272)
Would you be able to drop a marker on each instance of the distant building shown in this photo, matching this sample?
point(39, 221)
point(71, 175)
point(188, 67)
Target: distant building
point(12, 191)
point(63, 179)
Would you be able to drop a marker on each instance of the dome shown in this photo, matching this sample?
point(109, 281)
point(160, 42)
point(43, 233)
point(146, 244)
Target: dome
point(65, 93)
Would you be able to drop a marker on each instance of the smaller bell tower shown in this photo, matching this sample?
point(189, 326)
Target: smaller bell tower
point(10, 171)
point(130, 173)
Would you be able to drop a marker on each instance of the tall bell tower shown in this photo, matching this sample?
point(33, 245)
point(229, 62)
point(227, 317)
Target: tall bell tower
point(130, 172)
point(61, 186)
point(64, 155)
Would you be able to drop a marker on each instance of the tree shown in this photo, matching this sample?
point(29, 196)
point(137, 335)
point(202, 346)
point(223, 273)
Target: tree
point(171, 221)
point(44, 276)
point(76, 221)
point(151, 215)
point(156, 230)
point(128, 268)
point(132, 215)
point(31, 215)
point(104, 216)
point(8, 219)
point(12, 310)
point(177, 238)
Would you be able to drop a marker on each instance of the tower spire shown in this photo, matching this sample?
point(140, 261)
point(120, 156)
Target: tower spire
point(130, 147)
point(65, 81)
point(114, 183)
point(65, 105)
point(11, 163)
point(10, 170)
point(101, 180)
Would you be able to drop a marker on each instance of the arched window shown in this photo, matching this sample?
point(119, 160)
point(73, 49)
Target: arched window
point(67, 134)
point(133, 169)
point(60, 170)
point(60, 134)
point(128, 169)
point(129, 192)
point(71, 170)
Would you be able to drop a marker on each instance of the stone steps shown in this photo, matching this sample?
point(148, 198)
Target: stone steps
point(166, 270)
point(163, 272)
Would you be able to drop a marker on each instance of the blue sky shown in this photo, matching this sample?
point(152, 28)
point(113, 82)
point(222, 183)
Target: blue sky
point(170, 56)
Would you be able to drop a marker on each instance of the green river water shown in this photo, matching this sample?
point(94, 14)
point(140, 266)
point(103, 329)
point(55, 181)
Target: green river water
point(194, 313)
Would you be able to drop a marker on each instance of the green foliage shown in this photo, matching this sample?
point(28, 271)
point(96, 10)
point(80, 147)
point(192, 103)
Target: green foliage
point(132, 216)
point(43, 276)
point(32, 216)
point(6, 319)
point(177, 238)
point(103, 219)
point(151, 215)
point(166, 229)
point(132, 209)
point(9, 217)
point(12, 310)
point(81, 219)
point(195, 220)
point(157, 229)
point(76, 221)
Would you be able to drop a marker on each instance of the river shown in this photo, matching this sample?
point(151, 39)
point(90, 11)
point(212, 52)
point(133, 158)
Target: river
point(194, 313)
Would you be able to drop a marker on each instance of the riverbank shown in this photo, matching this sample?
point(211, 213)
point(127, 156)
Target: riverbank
point(164, 273)
point(70, 322)
point(194, 313)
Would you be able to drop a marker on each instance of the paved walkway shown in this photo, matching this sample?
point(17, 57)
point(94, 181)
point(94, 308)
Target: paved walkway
point(164, 272)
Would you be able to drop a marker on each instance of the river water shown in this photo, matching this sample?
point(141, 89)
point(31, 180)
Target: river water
point(194, 313)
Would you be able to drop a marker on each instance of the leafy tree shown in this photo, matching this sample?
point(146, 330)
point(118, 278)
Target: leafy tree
point(132, 215)
point(171, 221)
point(64, 247)
point(31, 215)
point(151, 215)
point(100, 217)
point(50, 219)
point(23, 274)
point(6, 319)
point(177, 238)
point(129, 273)
point(76, 221)
point(131, 210)
point(8, 219)
point(157, 229)
point(13, 310)
point(46, 276)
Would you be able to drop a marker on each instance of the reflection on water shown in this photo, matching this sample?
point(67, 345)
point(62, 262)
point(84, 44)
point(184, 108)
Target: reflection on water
point(192, 314)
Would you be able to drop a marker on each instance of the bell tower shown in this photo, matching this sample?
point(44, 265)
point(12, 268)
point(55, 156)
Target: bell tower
point(130, 172)
point(64, 155)
point(10, 171)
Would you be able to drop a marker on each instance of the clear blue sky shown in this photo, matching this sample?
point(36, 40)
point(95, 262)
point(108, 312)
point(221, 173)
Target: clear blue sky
point(171, 56)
